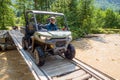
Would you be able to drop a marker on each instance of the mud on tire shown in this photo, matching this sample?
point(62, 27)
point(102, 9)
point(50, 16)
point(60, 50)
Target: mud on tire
point(39, 56)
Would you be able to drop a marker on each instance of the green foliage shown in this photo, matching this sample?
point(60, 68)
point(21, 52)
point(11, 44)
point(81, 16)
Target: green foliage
point(98, 19)
point(118, 20)
point(60, 6)
point(99, 31)
point(110, 19)
point(72, 14)
point(83, 18)
point(106, 31)
point(85, 15)
point(6, 14)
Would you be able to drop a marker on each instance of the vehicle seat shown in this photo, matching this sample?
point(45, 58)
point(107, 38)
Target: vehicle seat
point(31, 29)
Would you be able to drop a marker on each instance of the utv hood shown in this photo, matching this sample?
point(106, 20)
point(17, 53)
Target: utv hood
point(54, 34)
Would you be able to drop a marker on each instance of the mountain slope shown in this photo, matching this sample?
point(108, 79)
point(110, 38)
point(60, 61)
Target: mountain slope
point(112, 4)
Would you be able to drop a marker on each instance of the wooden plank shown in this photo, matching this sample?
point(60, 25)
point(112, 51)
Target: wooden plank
point(53, 61)
point(83, 77)
point(56, 65)
point(19, 36)
point(70, 76)
point(92, 78)
point(61, 70)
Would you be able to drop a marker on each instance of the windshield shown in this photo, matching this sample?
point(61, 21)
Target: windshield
point(46, 21)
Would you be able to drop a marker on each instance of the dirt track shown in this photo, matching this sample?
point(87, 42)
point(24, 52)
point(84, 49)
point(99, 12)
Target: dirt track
point(102, 52)
point(13, 67)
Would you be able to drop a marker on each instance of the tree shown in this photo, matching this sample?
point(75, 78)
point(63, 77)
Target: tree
point(6, 14)
point(60, 6)
point(118, 20)
point(110, 19)
point(20, 8)
point(72, 7)
point(78, 12)
point(68, 7)
point(98, 19)
point(43, 4)
point(84, 16)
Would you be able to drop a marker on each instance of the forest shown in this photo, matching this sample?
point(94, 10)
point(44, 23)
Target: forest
point(83, 16)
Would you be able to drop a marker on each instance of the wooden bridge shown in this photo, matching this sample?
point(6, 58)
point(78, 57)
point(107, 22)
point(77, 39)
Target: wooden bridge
point(57, 67)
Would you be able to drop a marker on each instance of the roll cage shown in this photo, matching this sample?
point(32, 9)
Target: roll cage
point(34, 12)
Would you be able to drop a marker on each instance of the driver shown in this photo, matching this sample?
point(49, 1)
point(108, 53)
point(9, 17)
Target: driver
point(52, 26)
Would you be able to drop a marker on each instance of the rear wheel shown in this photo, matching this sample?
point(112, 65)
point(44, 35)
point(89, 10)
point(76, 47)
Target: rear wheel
point(70, 53)
point(23, 43)
point(39, 56)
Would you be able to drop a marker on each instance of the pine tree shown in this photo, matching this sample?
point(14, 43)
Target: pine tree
point(110, 19)
point(6, 14)
point(85, 14)
point(72, 12)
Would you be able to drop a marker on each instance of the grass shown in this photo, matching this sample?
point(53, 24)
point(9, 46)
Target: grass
point(112, 30)
point(106, 31)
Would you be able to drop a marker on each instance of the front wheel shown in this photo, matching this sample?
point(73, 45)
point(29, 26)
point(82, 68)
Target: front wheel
point(70, 53)
point(39, 56)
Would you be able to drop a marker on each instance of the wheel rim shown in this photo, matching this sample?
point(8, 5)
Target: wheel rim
point(36, 57)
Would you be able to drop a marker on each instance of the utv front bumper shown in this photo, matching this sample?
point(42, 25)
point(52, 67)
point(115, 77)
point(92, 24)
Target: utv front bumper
point(58, 45)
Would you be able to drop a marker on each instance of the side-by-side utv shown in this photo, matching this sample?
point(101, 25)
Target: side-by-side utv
point(40, 41)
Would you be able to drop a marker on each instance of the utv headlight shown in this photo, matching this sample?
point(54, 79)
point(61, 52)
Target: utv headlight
point(48, 38)
point(70, 37)
point(43, 38)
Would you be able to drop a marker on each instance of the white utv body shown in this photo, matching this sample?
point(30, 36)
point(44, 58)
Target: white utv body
point(40, 42)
